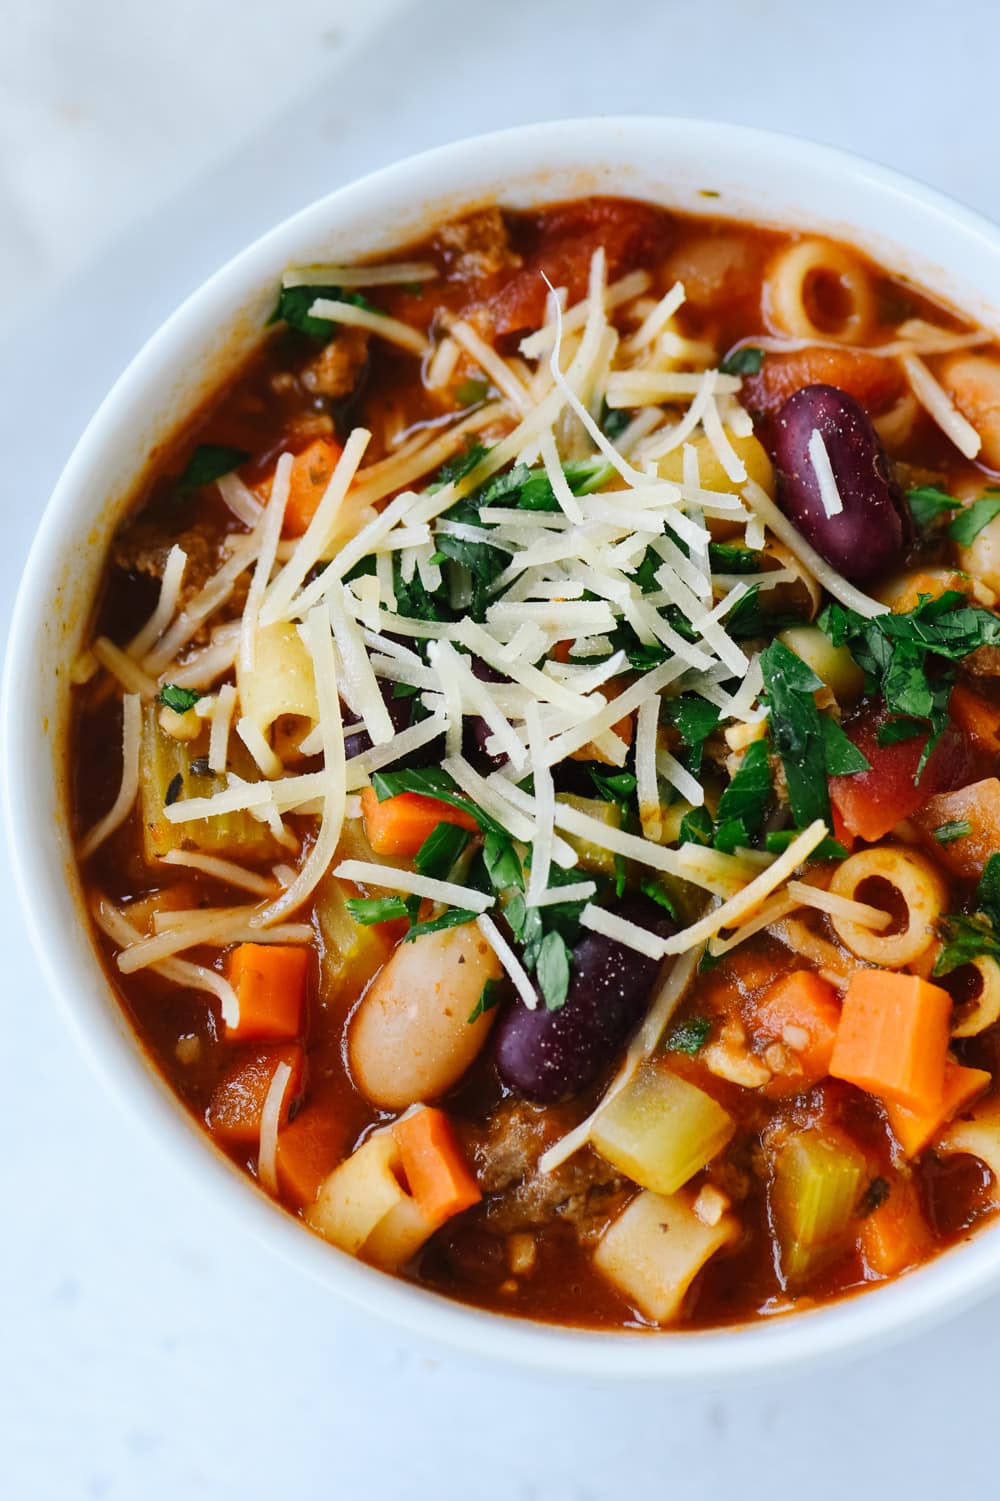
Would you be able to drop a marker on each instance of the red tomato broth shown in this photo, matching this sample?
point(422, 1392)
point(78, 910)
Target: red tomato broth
point(269, 408)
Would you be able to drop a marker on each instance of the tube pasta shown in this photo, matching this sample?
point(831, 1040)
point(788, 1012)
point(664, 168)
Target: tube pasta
point(282, 679)
point(918, 884)
point(787, 287)
point(983, 1008)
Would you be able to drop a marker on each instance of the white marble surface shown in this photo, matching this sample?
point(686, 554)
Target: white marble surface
point(144, 1353)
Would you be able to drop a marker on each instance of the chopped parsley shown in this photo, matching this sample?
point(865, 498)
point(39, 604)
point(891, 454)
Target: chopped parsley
point(745, 799)
point(209, 462)
point(471, 392)
point(900, 654)
point(947, 833)
point(455, 917)
point(968, 938)
point(797, 731)
point(369, 910)
point(689, 1036)
point(927, 503)
point(432, 781)
point(178, 699)
point(552, 970)
point(489, 997)
point(969, 523)
point(745, 361)
point(439, 851)
point(294, 303)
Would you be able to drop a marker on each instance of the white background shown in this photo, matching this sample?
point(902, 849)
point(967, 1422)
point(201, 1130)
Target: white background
point(144, 1352)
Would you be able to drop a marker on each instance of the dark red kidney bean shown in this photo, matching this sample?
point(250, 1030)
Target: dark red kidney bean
point(399, 712)
point(552, 1055)
point(477, 731)
point(869, 535)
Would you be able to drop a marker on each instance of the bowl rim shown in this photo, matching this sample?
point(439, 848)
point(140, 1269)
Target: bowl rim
point(955, 1278)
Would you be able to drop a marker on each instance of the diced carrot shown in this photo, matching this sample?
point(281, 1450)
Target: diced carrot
point(916, 1129)
point(977, 716)
point(311, 472)
point(435, 1169)
point(800, 1011)
point(235, 1108)
point(309, 1148)
point(925, 585)
point(560, 652)
point(400, 824)
point(970, 820)
point(893, 1038)
point(896, 1235)
point(270, 984)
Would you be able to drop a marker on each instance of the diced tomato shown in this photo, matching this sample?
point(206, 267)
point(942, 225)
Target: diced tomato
point(237, 1102)
point(870, 803)
point(874, 382)
point(629, 232)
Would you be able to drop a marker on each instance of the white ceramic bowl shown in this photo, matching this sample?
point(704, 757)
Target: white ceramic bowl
point(759, 177)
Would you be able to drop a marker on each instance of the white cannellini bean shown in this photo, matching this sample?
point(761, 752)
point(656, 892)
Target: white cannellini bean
point(411, 1038)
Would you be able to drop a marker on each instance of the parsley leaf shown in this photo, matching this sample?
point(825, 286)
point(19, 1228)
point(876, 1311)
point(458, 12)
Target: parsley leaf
point(178, 699)
point(552, 970)
point(294, 304)
point(614, 421)
point(368, 910)
point(745, 361)
point(489, 997)
point(695, 719)
point(440, 850)
point(696, 827)
point(209, 462)
point(471, 392)
point(613, 786)
point(797, 731)
point(690, 1036)
point(725, 558)
point(970, 522)
point(897, 651)
point(502, 863)
point(842, 756)
point(894, 731)
point(779, 839)
point(947, 833)
point(458, 467)
point(745, 799)
point(455, 917)
point(965, 939)
point(988, 890)
point(927, 503)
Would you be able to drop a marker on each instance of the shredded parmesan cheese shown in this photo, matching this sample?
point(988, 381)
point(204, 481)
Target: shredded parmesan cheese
point(129, 785)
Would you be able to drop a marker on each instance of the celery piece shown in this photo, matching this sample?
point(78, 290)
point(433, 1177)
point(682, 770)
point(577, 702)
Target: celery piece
point(816, 1184)
point(352, 952)
point(168, 773)
point(660, 1130)
point(591, 857)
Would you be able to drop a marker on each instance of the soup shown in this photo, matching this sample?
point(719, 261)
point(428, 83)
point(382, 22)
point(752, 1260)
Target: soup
point(534, 766)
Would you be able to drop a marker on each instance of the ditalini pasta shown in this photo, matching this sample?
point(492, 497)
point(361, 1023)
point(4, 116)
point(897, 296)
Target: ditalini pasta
point(535, 765)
